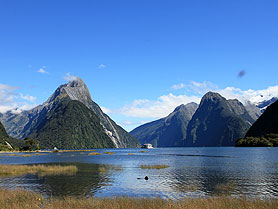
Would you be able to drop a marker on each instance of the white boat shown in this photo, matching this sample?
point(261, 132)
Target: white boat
point(147, 146)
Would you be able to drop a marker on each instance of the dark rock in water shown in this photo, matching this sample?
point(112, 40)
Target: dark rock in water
point(146, 178)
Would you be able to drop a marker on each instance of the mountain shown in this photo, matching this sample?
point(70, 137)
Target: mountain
point(264, 104)
point(217, 122)
point(253, 110)
point(168, 131)
point(264, 132)
point(7, 142)
point(23, 124)
point(71, 125)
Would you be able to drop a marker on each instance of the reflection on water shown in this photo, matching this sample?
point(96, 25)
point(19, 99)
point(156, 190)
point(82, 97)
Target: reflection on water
point(193, 172)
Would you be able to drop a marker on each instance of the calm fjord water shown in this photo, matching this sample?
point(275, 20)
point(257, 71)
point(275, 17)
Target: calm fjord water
point(192, 172)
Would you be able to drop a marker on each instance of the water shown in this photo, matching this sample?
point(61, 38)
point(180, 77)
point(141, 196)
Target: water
point(192, 172)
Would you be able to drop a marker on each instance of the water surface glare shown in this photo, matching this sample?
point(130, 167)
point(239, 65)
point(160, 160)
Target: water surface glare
point(192, 172)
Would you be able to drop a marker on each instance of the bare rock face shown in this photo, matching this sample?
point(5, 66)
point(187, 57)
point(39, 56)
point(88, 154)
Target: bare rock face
point(21, 125)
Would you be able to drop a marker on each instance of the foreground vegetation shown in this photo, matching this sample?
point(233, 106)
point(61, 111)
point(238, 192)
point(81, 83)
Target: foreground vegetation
point(41, 170)
point(26, 200)
point(268, 140)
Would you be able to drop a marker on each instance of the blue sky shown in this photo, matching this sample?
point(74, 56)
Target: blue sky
point(139, 59)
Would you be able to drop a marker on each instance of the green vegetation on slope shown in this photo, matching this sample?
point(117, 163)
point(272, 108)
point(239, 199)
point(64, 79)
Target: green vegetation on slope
point(5, 138)
point(264, 132)
point(217, 122)
point(71, 125)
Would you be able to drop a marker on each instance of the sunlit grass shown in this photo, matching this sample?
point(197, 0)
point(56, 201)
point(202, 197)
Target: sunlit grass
point(154, 166)
point(41, 170)
point(25, 155)
point(130, 153)
point(20, 199)
point(94, 153)
point(102, 169)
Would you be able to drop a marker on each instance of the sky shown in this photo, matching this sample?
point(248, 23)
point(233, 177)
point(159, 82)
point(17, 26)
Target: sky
point(140, 59)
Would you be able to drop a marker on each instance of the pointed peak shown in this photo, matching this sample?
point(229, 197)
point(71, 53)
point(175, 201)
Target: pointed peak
point(179, 107)
point(212, 96)
point(76, 81)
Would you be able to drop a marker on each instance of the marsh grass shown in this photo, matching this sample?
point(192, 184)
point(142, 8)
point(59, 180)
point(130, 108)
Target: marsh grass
point(225, 188)
point(130, 153)
point(109, 153)
point(154, 166)
point(143, 151)
point(26, 200)
point(94, 153)
point(25, 155)
point(102, 169)
point(79, 150)
point(41, 170)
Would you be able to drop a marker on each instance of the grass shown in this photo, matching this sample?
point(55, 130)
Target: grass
point(109, 153)
point(154, 166)
point(29, 200)
point(102, 169)
point(41, 170)
point(25, 155)
point(94, 153)
point(130, 153)
point(143, 151)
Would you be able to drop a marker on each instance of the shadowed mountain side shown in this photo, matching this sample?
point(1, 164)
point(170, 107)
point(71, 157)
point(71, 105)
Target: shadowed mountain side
point(168, 131)
point(264, 132)
point(217, 122)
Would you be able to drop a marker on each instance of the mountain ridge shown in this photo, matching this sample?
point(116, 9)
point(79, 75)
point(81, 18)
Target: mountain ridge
point(22, 125)
point(168, 131)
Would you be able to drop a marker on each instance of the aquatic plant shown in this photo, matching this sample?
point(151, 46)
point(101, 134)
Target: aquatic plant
point(154, 166)
point(41, 170)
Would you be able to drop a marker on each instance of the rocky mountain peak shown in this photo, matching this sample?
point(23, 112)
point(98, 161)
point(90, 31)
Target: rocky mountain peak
point(75, 89)
point(211, 96)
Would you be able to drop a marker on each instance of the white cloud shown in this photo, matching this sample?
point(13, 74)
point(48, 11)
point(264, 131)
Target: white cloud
point(69, 77)
point(254, 96)
point(251, 95)
point(164, 105)
point(42, 70)
point(105, 110)
point(159, 108)
point(27, 97)
point(102, 66)
point(11, 100)
point(178, 86)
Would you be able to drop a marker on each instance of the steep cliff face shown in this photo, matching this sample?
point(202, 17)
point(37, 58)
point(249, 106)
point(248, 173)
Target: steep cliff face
point(217, 122)
point(168, 131)
point(23, 124)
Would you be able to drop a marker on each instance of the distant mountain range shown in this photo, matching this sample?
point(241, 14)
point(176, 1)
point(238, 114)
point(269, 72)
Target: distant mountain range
point(215, 122)
point(168, 131)
point(264, 104)
point(70, 119)
point(53, 115)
